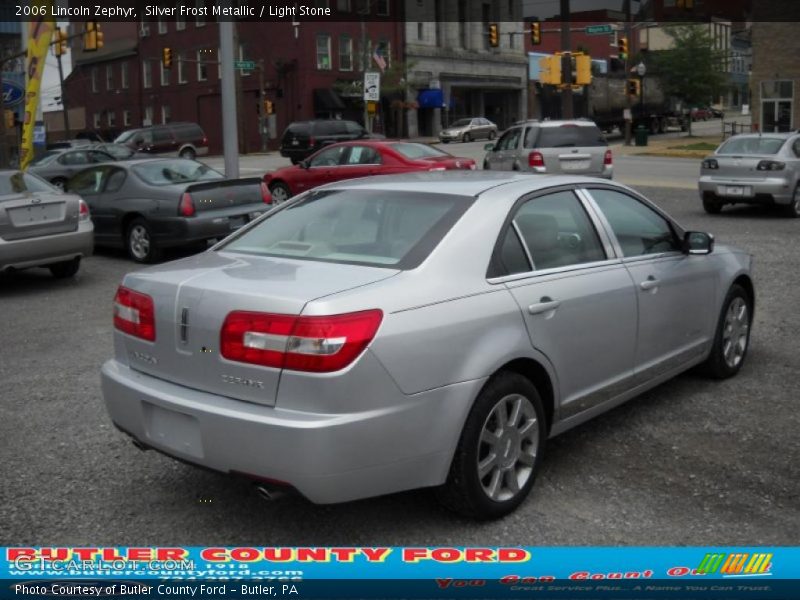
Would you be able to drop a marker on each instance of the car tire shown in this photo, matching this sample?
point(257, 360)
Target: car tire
point(280, 192)
point(712, 206)
point(792, 210)
point(486, 166)
point(188, 153)
point(65, 269)
point(60, 183)
point(445, 141)
point(139, 242)
point(499, 452)
point(732, 337)
point(492, 134)
point(466, 138)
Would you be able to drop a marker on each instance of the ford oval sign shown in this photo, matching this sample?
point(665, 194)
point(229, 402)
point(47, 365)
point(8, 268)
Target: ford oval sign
point(12, 93)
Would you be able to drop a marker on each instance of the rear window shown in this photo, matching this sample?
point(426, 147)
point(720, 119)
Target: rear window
point(329, 127)
point(412, 150)
point(167, 172)
point(365, 227)
point(752, 145)
point(566, 136)
point(18, 182)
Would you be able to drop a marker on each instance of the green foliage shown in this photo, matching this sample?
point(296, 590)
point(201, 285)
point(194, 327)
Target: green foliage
point(692, 69)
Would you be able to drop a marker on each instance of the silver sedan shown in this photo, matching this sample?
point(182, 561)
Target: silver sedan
point(434, 329)
point(466, 130)
point(753, 169)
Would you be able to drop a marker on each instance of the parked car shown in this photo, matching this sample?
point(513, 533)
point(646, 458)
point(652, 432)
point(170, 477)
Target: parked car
point(42, 227)
point(753, 169)
point(700, 113)
point(348, 160)
point(186, 140)
point(716, 113)
point(466, 130)
point(302, 138)
point(147, 205)
point(57, 166)
point(552, 147)
point(119, 151)
point(427, 329)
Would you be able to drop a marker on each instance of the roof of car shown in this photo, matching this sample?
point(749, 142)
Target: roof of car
point(785, 135)
point(463, 183)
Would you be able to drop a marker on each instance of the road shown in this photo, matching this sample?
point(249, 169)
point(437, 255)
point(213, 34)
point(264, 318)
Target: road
point(693, 462)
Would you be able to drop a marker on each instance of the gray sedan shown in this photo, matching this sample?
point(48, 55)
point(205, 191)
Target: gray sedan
point(57, 166)
point(466, 130)
point(753, 169)
point(433, 329)
point(42, 227)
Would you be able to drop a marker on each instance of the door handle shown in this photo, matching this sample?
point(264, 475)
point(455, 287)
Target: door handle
point(649, 284)
point(545, 304)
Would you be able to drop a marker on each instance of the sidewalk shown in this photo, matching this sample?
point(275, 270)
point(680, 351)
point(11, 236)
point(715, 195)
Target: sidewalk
point(682, 147)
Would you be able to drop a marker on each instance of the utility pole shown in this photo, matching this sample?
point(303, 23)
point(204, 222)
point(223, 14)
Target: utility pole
point(566, 74)
point(365, 63)
point(262, 117)
point(230, 141)
point(626, 66)
point(240, 116)
point(3, 139)
point(67, 134)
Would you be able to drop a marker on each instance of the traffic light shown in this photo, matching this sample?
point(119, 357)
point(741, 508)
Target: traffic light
point(622, 49)
point(494, 35)
point(536, 33)
point(583, 69)
point(92, 37)
point(269, 107)
point(550, 70)
point(166, 57)
point(632, 87)
point(60, 42)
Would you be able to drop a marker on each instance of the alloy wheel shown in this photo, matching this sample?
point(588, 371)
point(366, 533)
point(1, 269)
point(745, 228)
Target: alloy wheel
point(279, 194)
point(735, 332)
point(139, 242)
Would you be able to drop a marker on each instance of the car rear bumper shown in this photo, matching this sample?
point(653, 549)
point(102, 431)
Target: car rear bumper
point(176, 231)
point(777, 190)
point(328, 458)
point(47, 249)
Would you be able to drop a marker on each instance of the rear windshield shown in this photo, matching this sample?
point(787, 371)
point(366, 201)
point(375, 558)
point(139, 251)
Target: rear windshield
point(167, 172)
point(567, 136)
point(329, 127)
point(18, 182)
point(365, 227)
point(752, 145)
point(412, 150)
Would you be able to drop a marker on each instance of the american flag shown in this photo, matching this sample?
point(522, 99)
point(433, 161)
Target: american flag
point(379, 60)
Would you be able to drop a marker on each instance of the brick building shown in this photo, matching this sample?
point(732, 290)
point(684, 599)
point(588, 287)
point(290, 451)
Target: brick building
point(775, 76)
point(312, 69)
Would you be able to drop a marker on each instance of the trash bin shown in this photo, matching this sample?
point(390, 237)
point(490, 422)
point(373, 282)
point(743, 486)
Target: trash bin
point(641, 135)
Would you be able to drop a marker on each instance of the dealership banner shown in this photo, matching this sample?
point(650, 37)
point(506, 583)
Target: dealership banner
point(408, 572)
point(40, 31)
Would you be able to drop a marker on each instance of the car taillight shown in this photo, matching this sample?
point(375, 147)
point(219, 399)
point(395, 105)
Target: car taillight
point(134, 314)
point(266, 197)
point(186, 206)
point(205, 141)
point(770, 165)
point(299, 343)
point(710, 163)
point(311, 142)
point(608, 158)
point(535, 159)
point(83, 211)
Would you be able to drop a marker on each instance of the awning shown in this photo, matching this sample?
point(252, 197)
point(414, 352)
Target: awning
point(430, 99)
point(327, 100)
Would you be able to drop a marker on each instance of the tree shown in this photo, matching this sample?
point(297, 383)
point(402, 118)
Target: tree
point(692, 70)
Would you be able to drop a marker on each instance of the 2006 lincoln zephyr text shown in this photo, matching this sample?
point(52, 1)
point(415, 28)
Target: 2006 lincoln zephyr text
point(431, 329)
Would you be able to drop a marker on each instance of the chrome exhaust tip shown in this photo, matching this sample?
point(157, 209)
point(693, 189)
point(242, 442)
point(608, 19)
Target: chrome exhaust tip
point(269, 494)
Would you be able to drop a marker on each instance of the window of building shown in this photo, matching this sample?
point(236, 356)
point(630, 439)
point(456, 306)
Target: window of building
point(147, 74)
point(345, 53)
point(164, 74)
point(385, 50)
point(148, 116)
point(123, 72)
point(111, 118)
point(382, 7)
point(162, 26)
point(96, 120)
point(109, 77)
point(180, 23)
point(323, 52)
point(202, 67)
point(144, 28)
point(420, 31)
point(166, 114)
point(126, 118)
point(777, 103)
point(94, 79)
point(182, 68)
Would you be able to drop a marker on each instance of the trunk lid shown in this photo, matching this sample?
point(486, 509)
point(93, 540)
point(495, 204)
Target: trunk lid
point(448, 162)
point(32, 214)
point(224, 194)
point(732, 166)
point(573, 160)
point(193, 296)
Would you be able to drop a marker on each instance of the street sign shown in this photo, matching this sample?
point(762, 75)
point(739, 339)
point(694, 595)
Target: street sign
point(598, 29)
point(372, 86)
point(245, 65)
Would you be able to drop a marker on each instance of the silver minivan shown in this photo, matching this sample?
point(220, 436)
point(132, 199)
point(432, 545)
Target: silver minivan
point(575, 147)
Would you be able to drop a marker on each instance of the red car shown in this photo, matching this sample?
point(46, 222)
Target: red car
point(360, 158)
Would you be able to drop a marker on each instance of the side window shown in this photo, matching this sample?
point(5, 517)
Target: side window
point(115, 181)
point(98, 157)
point(557, 231)
point(161, 135)
point(363, 155)
point(329, 157)
point(74, 158)
point(510, 139)
point(639, 229)
point(530, 137)
point(512, 254)
point(87, 182)
point(796, 147)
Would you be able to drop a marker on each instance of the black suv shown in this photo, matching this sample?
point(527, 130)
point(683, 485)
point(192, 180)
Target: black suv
point(186, 140)
point(303, 138)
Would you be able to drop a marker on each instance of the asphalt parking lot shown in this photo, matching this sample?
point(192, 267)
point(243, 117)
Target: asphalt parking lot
point(693, 462)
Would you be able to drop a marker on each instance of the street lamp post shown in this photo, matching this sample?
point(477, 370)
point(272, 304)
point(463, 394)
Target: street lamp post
point(641, 71)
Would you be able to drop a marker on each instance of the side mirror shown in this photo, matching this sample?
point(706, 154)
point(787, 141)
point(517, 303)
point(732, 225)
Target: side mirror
point(304, 164)
point(698, 242)
point(489, 147)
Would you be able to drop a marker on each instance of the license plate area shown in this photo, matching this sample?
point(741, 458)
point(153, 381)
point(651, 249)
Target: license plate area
point(36, 213)
point(174, 430)
point(575, 165)
point(735, 190)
